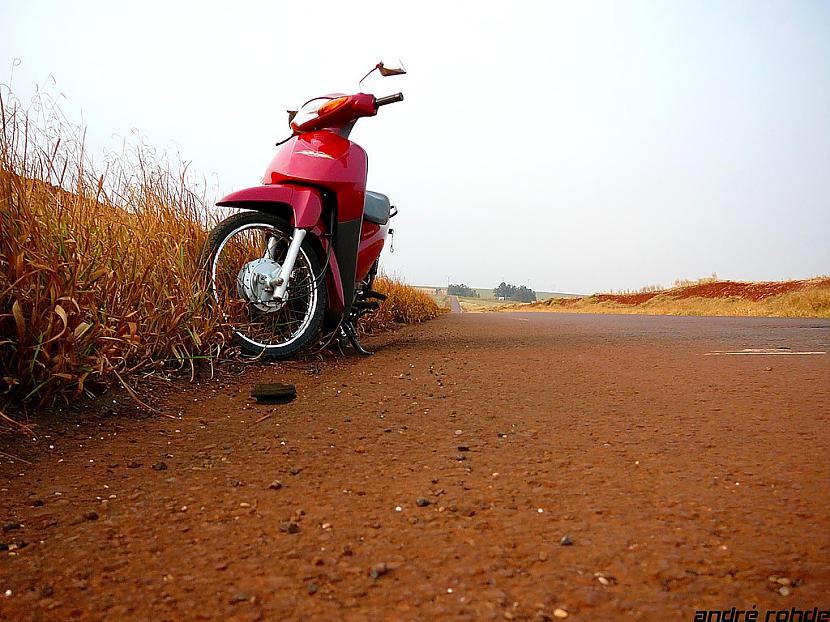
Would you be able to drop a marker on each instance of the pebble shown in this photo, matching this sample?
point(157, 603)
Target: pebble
point(11, 527)
point(784, 590)
point(458, 432)
point(312, 589)
point(378, 570)
point(91, 515)
point(275, 485)
point(560, 613)
point(159, 466)
point(461, 457)
point(295, 471)
point(422, 502)
point(239, 598)
point(37, 503)
point(132, 464)
point(290, 527)
point(463, 448)
point(8, 593)
point(566, 540)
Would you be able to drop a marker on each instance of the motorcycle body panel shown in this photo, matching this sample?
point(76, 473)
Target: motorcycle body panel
point(327, 160)
point(372, 239)
point(306, 203)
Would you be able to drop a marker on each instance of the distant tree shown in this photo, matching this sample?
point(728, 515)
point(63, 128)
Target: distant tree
point(512, 292)
point(462, 290)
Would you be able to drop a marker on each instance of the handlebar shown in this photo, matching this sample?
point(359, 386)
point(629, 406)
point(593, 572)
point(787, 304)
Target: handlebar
point(389, 99)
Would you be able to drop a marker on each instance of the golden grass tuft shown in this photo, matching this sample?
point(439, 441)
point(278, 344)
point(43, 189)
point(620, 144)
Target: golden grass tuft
point(404, 305)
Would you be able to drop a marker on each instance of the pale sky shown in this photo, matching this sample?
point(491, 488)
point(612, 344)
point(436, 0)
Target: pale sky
point(574, 147)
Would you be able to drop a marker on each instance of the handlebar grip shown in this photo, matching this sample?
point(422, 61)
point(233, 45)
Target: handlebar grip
point(390, 99)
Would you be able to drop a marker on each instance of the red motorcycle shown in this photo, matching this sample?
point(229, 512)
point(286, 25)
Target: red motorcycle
point(303, 256)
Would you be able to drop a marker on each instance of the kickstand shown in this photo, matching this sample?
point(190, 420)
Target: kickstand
point(351, 335)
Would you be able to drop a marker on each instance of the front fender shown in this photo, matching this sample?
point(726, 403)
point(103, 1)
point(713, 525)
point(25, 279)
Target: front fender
point(299, 204)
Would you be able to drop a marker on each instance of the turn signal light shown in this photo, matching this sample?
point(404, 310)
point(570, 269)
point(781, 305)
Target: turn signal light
point(332, 105)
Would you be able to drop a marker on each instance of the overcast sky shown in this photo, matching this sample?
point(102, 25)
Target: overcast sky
point(573, 147)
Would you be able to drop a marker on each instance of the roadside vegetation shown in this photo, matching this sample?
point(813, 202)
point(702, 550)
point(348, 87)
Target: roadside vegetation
point(99, 274)
point(404, 305)
point(801, 298)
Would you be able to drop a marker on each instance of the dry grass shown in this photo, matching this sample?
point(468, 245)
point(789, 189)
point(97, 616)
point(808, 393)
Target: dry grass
point(96, 272)
point(99, 275)
point(811, 300)
point(404, 305)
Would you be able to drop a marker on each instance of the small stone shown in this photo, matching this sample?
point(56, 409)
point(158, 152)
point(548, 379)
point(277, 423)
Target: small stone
point(312, 589)
point(159, 466)
point(47, 591)
point(8, 593)
point(295, 471)
point(378, 570)
point(458, 432)
point(422, 502)
point(543, 556)
point(784, 590)
point(239, 598)
point(463, 448)
point(37, 503)
point(461, 457)
point(784, 581)
point(603, 581)
point(560, 613)
point(132, 464)
point(91, 515)
point(566, 540)
point(11, 527)
point(290, 527)
point(275, 485)
point(113, 465)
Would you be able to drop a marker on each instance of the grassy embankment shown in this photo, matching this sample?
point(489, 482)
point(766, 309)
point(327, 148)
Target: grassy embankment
point(804, 298)
point(99, 273)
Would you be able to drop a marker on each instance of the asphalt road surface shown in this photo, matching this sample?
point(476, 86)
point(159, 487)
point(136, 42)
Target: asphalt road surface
point(481, 466)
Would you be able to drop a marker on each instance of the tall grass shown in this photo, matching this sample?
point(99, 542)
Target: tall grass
point(97, 272)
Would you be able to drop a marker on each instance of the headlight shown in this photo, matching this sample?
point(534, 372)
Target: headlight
point(315, 108)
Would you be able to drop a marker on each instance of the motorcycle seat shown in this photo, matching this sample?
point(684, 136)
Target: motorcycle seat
point(376, 208)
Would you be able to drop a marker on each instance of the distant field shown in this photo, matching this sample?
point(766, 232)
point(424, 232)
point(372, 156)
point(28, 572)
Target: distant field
point(803, 298)
point(487, 294)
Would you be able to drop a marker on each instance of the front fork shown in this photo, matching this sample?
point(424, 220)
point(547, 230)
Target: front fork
point(278, 280)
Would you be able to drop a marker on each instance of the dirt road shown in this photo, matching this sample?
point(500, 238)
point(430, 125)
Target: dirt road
point(483, 466)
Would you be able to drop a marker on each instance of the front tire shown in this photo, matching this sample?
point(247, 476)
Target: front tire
point(240, 253)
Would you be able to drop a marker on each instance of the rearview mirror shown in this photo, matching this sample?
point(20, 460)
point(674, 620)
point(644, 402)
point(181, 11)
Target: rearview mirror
point(393, 70)
point(384, 70)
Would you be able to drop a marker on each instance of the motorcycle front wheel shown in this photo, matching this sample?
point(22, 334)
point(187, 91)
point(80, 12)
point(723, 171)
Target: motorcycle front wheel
point(242, 253)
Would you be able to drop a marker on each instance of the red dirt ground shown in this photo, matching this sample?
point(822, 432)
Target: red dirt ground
point(718, 289)
point(437, 479)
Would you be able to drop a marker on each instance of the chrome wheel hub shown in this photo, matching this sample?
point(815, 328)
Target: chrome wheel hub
point(252, 284)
